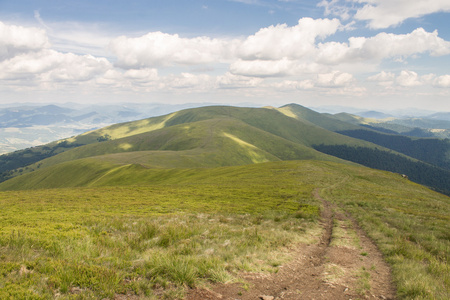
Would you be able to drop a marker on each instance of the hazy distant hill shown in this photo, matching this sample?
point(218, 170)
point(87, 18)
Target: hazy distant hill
point(414, 127)
point(374, 115)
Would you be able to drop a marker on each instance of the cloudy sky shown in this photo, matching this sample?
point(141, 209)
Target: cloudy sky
point(376, 54)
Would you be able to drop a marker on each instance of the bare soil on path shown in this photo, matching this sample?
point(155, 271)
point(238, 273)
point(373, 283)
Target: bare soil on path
point(344, 264)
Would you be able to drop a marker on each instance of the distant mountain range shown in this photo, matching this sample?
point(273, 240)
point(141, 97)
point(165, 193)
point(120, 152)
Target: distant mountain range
point(216, 136)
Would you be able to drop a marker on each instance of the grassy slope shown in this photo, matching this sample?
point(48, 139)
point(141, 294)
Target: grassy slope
point(208, 143)
point(432, 151)
point(184, 227)
point(323, 120)
point(162, 133)
point(293, 123)
point(408, 223)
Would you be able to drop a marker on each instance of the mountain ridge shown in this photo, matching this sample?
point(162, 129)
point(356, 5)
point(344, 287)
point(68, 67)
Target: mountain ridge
point(211, 136)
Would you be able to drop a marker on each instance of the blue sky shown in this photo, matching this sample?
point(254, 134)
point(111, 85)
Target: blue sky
point(374, 54)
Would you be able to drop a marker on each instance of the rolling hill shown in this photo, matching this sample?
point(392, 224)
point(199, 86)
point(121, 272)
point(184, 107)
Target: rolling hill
point(212, 137)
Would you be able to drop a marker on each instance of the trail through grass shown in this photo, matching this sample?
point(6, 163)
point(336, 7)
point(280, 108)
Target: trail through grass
point(184, 228)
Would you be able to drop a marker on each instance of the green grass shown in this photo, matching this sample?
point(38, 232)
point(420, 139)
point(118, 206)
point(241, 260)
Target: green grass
point(150, 240)
point(408, 223)
point(180, 228)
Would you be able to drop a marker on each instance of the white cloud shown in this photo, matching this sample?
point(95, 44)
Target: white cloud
point(383, 46)
point(275, 51)
point(229, 80)
point(162, 49)
point(321, 82)
point(387, 13)
point(50, 65)
point(295, 59)
point(15, 40)
point(142, 74)
point(334, 79)
point(442, 81)
point(281, 41)
point(382, 77)
point(187, 81)
point(408, 79)
point(289, 85)
point(382, 13)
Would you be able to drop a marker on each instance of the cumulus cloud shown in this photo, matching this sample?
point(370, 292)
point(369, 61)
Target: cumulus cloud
point(407, 78)
point(281, 41)
point(229, 80)
point(25, 54)
point(275, 58)
point(382, 13)
point(383, 46)
point(387, 13)
point(162, 49)
point(16, 40)
point(275, 51)
point(142, 74)
point(287, 85)
point(442, 81)
point(187, 81)
point(334, 79)
point(382, 77)
point(50, 65)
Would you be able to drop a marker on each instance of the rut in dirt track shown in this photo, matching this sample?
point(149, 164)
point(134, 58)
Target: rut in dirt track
point(318, 271)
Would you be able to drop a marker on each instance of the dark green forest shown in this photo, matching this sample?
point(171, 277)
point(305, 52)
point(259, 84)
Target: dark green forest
point(430, 150)
point(419, 172)
point(14, 161)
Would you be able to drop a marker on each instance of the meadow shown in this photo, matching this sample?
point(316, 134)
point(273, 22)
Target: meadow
point(150, 240)
point(190, 228)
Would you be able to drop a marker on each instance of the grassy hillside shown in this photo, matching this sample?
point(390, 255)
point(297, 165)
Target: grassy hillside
point(208, 143)
point(314, 118)
point(259, 134)
point(181, 228)
point(202, 137)
point(414, 127)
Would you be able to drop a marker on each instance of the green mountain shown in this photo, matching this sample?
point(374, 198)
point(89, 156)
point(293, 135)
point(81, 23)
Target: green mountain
point(434, 151)
point(325, 121)
point(203, 137)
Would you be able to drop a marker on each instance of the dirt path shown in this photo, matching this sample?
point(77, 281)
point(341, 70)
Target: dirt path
point(345, 264)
